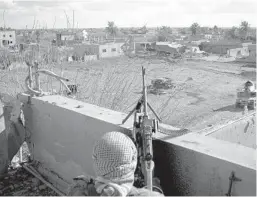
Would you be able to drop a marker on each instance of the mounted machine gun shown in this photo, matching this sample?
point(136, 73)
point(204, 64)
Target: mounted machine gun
point(143, 129)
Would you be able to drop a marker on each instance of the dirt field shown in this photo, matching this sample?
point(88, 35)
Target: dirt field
point(204, 93)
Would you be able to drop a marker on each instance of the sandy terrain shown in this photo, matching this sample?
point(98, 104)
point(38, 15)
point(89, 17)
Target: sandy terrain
point(205, 92)
point(204, 95)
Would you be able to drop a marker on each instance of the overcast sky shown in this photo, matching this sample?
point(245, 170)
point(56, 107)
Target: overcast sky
point(126, 13)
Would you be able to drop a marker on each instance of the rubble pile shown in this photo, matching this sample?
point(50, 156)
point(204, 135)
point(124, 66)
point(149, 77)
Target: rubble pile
point(19, 182)
point(159, 86)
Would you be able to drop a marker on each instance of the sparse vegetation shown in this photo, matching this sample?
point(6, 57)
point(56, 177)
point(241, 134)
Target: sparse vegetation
point(164, 33)
point(195, 28)
point(112, 29)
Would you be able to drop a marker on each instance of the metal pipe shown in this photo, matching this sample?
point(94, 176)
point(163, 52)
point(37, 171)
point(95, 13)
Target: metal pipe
point(33, 172)
point(20, 155)
point(47, 72)
point(37, 77)
point(227, 124)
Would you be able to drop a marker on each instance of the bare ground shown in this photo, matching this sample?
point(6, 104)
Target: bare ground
point(204, 92)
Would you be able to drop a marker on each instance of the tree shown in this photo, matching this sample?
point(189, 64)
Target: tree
point(38, 36)
point(215, 29)
point(183, 31)
point(112, 29)
point(164, 33)
point(194, 28)
point(232, 32)
point(244, 27)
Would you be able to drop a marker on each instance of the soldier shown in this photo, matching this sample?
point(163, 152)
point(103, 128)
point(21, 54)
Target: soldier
point(115, 162)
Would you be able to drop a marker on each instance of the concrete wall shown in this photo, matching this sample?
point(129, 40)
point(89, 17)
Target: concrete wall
point(196, 165)
point(67, 37)
point(240, 131)
point(90, 58)
point(3, 142)
point(63, 132)
point(12, 134)
point(238, 52)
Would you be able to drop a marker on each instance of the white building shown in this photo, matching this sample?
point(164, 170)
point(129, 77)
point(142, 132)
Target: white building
point(208, 36)
point(7, 38)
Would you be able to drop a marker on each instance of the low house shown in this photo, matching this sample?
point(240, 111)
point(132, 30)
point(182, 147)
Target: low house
point(97, 37)
point(168, 48)
point(83, 51)
point(110, 50)
point(64, 37)
point(7, 38)
point(219, 47)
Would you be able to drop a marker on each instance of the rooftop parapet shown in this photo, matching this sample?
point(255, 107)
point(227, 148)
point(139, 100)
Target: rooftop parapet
point(62, 133)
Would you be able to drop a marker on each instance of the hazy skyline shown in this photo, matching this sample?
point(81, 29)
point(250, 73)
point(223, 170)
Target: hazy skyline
point(127, 13)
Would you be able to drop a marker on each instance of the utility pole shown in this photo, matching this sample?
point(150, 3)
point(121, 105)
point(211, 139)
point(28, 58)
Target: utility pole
point(4, 19)
point(67, 19)
point(73, 21)
point(54, 22)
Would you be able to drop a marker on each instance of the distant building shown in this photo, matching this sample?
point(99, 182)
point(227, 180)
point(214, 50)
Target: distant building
point(7, 38)
point(168, 48)
point(97, 37)
point(175, 31)
point(81, 51)
point(110, 50)
point(219, 47)
point(208, 36)
point(64, 37)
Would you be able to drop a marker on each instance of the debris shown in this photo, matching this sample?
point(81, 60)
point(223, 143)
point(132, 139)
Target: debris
point(35, 181)
point(189, 79)
point(18, 182)
point(42, 187)
point(159, 85)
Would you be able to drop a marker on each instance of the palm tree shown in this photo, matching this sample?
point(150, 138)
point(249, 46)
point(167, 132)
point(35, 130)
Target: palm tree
point(232, 32)
point(194, 27)
point(244, 27)
point(215, 29)
point(112, 29)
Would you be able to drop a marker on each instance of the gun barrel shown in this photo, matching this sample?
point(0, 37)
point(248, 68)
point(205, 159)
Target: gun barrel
point(144, 92)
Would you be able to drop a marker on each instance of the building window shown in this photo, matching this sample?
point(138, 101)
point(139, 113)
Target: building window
point(10, 36)
point(113, 49)
point(10, 42)
point(4, 35)
point(104, 50)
